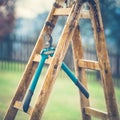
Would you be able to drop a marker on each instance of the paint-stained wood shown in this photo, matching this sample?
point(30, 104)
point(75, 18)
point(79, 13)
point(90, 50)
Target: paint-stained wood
point(31, 66)
point(80, 72)
point(70, 32)
point(62, 11)
point(55, 65)
point(103, 60)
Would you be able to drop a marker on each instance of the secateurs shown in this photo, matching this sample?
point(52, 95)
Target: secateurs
point(48, 51)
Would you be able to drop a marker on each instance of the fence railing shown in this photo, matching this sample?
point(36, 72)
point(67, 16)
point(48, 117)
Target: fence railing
point(14, 53)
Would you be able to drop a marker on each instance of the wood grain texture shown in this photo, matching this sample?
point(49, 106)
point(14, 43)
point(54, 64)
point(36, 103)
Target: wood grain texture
point(70, 32)
point(66, 12)
point(38, 57)
point(55, 65)
point(104, 62)
point(30, 68)
point(96, 113)
point(80, 72)
point(19, 106)
point(88, 64)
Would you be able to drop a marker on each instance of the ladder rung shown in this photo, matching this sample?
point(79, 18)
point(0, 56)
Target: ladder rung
point(66, 11)
point(19, 105)
point(62, 11)
point(82, 63)
point(37, 59)
point(96, 113)
point(94, 65)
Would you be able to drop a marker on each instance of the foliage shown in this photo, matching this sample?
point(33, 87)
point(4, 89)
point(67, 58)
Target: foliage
point(111, 17)
point(7, 17)
point(3, 2)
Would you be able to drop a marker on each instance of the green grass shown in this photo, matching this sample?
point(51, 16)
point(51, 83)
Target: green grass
point(64, 99)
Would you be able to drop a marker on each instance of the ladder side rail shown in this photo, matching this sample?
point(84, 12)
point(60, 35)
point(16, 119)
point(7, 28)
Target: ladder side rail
point(104, 62)
point(56, 62)
point(30, 67)
point(80, 72)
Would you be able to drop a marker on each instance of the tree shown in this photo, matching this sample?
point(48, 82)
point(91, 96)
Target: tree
point(111, 17)
point(3, 2)
point(7, 17)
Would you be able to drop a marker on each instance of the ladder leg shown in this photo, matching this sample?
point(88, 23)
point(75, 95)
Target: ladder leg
point(71, 28)
point(78, 54)
point(104, 63)
point(31, 66)
point(56, 62)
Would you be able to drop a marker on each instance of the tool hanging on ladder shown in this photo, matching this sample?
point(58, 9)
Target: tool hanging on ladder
point(47, 52)
point(71, 33)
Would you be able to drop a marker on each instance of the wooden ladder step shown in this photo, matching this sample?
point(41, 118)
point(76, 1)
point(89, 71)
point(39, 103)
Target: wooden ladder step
point(96, 113)
point(87, 64)
point(66, 12)
point(19, 106)
point(37, 59)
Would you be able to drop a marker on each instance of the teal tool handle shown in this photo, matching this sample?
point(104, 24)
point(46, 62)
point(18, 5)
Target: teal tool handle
point(38, 72)
point(75, 80)
point(34, 83)
point(27, 101)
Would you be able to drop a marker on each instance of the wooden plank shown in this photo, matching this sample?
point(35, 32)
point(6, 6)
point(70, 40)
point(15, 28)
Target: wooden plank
point(62, 11)
point(87, 64)
point(19, 105)
point(55, 65)
point(85, 14)
point(96, 113)
point(31, 66)
point(38, 57)
point(80, 73)
point(103, 60)
point(66, 12)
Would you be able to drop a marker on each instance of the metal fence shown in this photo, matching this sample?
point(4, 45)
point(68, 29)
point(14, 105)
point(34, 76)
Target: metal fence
point(15, 52)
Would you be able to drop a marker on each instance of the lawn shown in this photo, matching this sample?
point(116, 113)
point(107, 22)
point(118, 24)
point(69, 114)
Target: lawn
point(64, 100)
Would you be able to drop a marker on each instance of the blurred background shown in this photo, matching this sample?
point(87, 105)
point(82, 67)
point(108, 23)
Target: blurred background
point(20, 24)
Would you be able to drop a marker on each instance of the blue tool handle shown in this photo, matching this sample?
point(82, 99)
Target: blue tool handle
point(82, 89)
point(34, 83)
point(37, 73)
point(27, 101)
point(75, 80)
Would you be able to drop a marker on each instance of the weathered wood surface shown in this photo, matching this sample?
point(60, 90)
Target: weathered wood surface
point(30, 68)
point(71, 31)
point(80, 72)
point(104, 62)
point(96, 113)
point(55, 65)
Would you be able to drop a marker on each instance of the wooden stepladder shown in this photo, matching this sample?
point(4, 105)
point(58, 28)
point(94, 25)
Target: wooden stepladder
point(71, 33)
